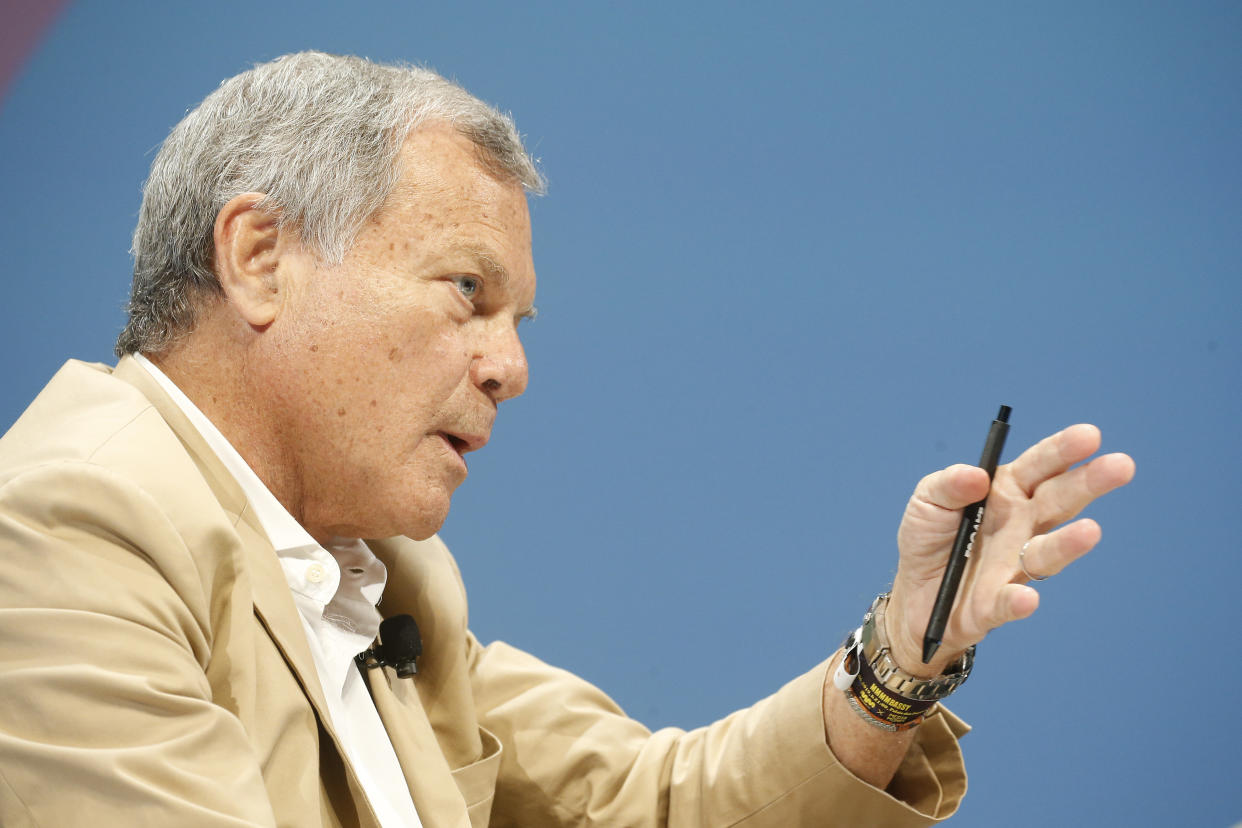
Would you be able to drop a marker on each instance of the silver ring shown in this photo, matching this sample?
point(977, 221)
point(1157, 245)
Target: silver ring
point(1022, 563)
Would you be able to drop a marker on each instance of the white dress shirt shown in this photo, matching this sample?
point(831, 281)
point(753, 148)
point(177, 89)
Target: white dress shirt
point(335, 590)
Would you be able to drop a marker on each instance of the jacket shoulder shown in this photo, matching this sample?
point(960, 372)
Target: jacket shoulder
point(85, 414)
point(92, 449)
point(76, 414)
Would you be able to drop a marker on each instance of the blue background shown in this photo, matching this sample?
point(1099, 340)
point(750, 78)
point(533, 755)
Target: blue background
point(792, 259)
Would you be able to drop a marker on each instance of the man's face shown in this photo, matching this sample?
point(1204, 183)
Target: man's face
point(390, 366)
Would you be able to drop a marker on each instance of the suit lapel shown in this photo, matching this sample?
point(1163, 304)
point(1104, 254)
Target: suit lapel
point(436, 795)
point(273, 600)
point(429, 716)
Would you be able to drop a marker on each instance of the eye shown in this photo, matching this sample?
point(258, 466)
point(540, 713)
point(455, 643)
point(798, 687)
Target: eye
point(468, 285)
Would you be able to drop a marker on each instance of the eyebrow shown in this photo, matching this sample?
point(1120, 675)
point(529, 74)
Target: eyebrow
point(496, 272)
point(491, 268)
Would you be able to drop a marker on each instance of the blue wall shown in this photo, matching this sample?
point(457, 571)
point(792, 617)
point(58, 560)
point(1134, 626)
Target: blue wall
point(791, 261)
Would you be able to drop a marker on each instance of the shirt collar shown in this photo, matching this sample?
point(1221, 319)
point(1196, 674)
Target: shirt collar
point(336, 589)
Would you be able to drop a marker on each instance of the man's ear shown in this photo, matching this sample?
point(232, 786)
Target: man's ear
point(249, 244)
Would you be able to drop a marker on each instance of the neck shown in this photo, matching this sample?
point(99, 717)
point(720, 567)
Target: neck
point(223, 378)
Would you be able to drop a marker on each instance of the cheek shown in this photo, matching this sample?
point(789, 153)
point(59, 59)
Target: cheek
point(437, 355)
point(410, 381)
point(399, 343)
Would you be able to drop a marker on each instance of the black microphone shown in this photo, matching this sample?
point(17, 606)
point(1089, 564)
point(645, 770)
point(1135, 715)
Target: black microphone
point(400, 644)
point(399, 647)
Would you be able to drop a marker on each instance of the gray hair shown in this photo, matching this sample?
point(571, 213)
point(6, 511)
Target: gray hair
point(320, 136)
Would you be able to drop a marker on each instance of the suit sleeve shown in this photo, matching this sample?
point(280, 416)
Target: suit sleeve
point(106, 711)
point(572, 757)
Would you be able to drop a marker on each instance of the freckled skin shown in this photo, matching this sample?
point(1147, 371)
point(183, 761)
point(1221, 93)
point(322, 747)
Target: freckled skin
point(382, 469)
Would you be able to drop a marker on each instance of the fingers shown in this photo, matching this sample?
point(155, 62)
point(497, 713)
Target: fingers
point(953, 488)
point(1053, 455)
point(1062, 497)
point(1046, 555)
point(1013, 603)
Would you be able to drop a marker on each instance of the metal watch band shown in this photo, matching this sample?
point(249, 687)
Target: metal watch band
point(875, 649)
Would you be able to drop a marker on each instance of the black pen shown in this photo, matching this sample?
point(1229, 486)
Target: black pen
point(972, 519)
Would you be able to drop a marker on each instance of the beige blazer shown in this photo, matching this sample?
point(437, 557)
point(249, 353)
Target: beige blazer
point(154, 671)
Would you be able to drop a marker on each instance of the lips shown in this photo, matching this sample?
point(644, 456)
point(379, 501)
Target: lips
point(458, 444)
point(463, 442)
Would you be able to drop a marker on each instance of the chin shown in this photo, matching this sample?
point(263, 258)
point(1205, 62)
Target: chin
point(424, 522)
point(422, 531)
point(416, 514)
point(419, 525)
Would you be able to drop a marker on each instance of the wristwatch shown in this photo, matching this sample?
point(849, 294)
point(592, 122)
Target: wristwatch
point(874, 648)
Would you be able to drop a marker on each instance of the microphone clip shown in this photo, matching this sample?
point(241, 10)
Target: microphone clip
point(399, 646)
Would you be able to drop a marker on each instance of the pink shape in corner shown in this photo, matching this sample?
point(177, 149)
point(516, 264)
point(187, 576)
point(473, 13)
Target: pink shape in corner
point(25, 22)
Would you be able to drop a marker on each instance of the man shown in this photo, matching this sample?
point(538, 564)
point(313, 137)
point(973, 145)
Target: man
point(331, 265)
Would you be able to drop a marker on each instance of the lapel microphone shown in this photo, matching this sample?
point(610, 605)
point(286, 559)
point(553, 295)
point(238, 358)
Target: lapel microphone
point(399, 647)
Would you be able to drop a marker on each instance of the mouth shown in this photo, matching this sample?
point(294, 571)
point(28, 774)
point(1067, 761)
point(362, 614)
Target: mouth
point(464, 442)
point(458, 444)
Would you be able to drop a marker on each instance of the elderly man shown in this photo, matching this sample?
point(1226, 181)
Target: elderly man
point(331, 265)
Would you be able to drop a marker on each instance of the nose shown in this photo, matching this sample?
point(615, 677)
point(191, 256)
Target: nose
point(500, 367)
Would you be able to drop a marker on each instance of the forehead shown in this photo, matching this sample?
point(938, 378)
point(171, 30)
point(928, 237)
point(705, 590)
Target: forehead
point(448, 213)
point(444, 187)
